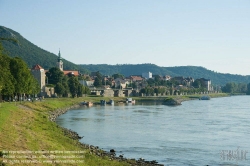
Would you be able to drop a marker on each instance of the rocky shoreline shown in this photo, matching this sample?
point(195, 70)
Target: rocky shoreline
point(95, 149)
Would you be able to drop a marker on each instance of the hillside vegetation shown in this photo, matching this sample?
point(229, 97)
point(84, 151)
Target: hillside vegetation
point(33, 54)
point(186, 71)
point(29, 52)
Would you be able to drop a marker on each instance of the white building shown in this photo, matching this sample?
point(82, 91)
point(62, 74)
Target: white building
point(147, 75)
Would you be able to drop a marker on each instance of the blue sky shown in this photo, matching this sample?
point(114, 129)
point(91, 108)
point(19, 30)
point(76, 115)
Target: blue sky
point(214, 34)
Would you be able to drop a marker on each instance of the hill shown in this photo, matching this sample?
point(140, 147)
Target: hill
point(29, 52)
point(32, 54)
point(186, 71)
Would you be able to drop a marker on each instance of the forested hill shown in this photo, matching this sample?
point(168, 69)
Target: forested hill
point(186, 71)
point(18, 46)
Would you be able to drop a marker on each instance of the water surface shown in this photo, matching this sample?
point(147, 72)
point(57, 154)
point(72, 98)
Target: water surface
point(198, 132)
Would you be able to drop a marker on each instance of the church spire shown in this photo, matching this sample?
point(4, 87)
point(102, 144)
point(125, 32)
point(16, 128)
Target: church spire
point(59, 61)
point(59, 56)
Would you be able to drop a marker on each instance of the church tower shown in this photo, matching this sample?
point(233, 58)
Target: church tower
point(59, 61)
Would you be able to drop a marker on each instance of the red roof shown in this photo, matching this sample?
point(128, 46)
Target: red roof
point(74, 72)
point(136, 78)
point(36, 67)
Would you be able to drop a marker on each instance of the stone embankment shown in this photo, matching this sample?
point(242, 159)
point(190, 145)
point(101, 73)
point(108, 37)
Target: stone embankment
point(54, 114)
point(95, 149)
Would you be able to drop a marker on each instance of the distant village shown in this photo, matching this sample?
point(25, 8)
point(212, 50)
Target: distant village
point(134, 85)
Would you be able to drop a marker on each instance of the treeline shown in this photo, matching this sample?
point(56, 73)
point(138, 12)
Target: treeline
point(185, 71)
point(16, 79)
point(66, 85)
point(236, 88)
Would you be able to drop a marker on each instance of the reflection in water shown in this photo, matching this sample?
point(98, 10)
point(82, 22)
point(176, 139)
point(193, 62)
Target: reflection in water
point(194, 133)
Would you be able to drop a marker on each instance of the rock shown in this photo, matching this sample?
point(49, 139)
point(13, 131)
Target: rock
point(112, 150)
point(171, 101)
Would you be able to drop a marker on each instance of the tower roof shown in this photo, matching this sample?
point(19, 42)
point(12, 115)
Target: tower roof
point(59, 56)
point(36, 67)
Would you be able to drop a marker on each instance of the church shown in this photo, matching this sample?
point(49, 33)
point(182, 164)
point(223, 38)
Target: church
point(40, 75)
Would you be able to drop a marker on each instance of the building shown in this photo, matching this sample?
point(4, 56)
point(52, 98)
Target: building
point(207, 83)
point(40, 75)
point(147, 75)
point(135, 78)
point(121, 83)
point(166, 77)
point(59, 61)
point(60, 66)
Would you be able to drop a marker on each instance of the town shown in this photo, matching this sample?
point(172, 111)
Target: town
point(118, 85)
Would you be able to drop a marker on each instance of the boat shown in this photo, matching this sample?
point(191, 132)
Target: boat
point(110, 102)
point(89, 104)
point(130, 100)
point(102, 102)
point(204, 98)
point(83, 103)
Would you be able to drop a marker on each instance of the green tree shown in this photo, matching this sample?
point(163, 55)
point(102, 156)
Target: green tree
point(98, 82)
point(60, 89)
point(54, 75)
point(6, 79)
point(99, 75)
point(117, 75)
point(86, 90)
point(197, 83)
point(248, 89)
point(24, 80)
point(229, 88)
point(80, 90)
point(151, 82)
point(73, 86)
point(33, 86)
point(242, 88)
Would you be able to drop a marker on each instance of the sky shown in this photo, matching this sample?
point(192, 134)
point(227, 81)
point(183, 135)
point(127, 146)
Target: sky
point(214, 34)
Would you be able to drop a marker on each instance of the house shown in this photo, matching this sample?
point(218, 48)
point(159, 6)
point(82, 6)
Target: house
point(71, 72)
point(184, 81)
point(87, 83)
point(166, 77)
point(135, 78)
point(188, 81)
point(121, 83)
point(180, 79)
point(207, 83)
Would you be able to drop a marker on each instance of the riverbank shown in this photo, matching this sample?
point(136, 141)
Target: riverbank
point(26, 127)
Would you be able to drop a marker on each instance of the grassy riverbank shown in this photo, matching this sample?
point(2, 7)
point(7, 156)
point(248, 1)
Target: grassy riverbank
point(25, 127)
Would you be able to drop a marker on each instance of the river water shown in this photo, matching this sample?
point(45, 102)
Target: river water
point(199, 132)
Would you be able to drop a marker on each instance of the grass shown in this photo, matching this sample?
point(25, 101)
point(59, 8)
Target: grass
point(26, 128)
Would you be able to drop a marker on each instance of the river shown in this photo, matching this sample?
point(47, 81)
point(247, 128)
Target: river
point(199, 132)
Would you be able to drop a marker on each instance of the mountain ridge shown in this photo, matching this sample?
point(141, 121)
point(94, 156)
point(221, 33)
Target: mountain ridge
point(29, 52)
point(32, 55)
point(186, 71)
